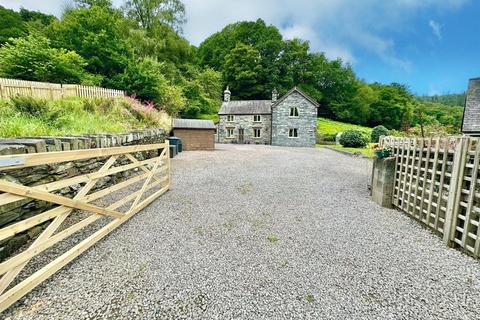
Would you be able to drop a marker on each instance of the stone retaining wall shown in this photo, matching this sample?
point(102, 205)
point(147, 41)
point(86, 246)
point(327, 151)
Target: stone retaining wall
point(20, 210)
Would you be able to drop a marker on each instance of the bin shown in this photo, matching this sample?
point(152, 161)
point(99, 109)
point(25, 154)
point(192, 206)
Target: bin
point(173, 151)
point(176, 141)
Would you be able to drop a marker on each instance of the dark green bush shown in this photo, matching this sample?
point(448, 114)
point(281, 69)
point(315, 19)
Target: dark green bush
point(30, 106)
point(35, 107)
point(377, 132)
point(353, 139)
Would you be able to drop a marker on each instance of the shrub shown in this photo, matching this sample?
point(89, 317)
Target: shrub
point(377, 132)
point(353, 139)
point(29, 105)
point(32, 58)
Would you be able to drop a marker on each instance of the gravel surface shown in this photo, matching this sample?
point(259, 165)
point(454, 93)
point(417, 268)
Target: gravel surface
point(261, 232)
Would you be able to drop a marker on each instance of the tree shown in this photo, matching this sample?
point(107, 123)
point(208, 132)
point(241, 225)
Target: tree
point(91, 3)
point(393, 107)
point(202, 91)
point(267, 43)
point(32, 58)
point(162, 43)
point(144, 79)
point(241, 72)
point(97, 34)
point(11, 25)
point(148, 13)
point(36, 17)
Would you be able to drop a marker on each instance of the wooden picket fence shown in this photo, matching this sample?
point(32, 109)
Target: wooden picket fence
point(437, 182)
point(12, 87)
point(148, 180)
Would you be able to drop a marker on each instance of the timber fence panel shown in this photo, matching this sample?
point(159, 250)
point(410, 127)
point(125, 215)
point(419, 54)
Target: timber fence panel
point(144, 169)
point(10, 88)
point(437, 182)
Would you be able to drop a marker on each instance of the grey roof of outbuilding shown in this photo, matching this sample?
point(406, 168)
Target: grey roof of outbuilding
point(193, 124)
point(246, 107)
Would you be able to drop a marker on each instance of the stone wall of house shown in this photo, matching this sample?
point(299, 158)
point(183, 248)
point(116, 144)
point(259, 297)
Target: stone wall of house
point(246, 122)
point(20, 210)
point(305, 123)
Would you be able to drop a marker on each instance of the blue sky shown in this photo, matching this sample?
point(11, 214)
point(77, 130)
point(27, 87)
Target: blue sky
point(432, 46)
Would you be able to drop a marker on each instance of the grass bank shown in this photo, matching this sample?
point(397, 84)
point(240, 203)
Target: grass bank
point(367, 151)
point(27, 116)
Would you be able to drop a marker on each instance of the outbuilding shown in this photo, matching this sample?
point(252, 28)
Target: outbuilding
point(195, 134)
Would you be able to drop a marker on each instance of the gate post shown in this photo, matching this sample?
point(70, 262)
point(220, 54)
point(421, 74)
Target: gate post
point(383, 181)
point(454, 193)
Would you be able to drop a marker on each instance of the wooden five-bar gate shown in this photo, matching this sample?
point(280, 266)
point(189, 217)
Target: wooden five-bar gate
point(145, 180)
point(437, 182)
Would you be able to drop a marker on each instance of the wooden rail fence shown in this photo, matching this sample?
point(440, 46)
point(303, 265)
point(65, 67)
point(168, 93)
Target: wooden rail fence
point(437, 182)
point(12, 87)
point(148, 179)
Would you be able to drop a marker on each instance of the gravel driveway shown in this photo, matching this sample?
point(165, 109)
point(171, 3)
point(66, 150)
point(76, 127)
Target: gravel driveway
point(261, 232)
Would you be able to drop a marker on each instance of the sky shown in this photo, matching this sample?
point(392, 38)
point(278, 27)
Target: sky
point(432, 46)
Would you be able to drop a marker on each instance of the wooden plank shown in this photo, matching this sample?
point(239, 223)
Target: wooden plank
point(405, 174)
point(410, 180)
point(422, 196)
point(399, 160)
point(417, 179)
point(35, 159)
point(14, 188)
point(26, 224)
point(454, 191)
point(441, 186)
point(145, 184)
point(433, 179)
point(473, 185)
point(47, 233)
point(56, 185)
point(15, 293)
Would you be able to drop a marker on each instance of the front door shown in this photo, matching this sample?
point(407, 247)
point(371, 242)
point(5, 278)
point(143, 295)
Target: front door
point(241, 135)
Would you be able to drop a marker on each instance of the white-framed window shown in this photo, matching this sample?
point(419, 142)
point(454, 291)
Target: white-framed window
point(257, 118)
point(230, 118)
point(229, 133)
point(257, 132)
point(294, 112)
point(293, 133)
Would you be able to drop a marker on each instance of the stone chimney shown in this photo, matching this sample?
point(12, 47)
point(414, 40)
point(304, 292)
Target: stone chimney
point(226, 95)
point(274, 95)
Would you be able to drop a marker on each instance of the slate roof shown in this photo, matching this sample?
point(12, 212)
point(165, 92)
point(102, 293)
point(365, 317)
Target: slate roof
point(259, 106)
point(246, 107)
point(193, 124)
point(471, 112)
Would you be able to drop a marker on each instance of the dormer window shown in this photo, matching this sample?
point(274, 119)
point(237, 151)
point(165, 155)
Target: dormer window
point(294, 112)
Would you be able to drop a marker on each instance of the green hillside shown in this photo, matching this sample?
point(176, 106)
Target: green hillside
point(328, 128)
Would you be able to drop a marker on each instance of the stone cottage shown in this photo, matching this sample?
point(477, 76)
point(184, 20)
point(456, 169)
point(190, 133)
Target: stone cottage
point(288, 121)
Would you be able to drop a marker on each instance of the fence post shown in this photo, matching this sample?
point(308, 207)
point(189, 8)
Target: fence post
point(454, 192)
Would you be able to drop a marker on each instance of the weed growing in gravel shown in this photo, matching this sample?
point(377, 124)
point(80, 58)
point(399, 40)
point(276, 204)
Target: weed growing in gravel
point(131, 295)
point(229, 226)
point(284, 264)
point(245, 188)
point(310, 298)
point(199, 231)
point(262, 221)
point(142, 268)
point(272, 238)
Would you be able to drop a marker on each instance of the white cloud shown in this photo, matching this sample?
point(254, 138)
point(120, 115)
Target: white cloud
point(436, 29)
